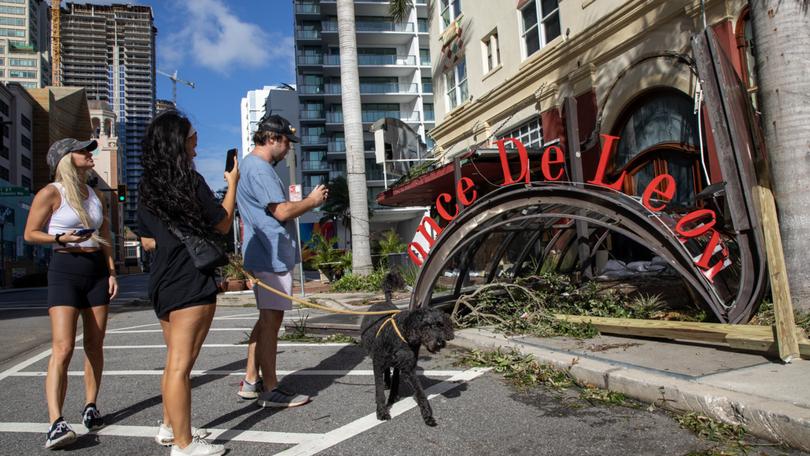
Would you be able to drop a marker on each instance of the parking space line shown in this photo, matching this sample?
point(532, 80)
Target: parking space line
point(13, 370)
point(143, 331)
point(149, 431)
point(283, 373)
point(332, 438)
point(132, 327)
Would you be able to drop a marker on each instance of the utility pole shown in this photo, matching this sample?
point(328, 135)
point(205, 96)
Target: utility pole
point(173, 77)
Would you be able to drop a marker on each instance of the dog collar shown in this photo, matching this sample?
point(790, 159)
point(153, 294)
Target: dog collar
point(394, 325)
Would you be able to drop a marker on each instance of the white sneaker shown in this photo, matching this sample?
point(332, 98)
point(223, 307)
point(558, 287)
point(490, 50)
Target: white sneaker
point(165, 435)
point(199, 447)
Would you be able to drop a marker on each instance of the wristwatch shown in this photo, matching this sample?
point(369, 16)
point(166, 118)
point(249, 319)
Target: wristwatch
point(56, 238)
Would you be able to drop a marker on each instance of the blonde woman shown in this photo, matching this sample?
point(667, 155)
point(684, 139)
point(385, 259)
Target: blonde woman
point(69, 215)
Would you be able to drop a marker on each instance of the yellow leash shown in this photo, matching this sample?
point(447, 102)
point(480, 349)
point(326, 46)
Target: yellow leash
point(329, 309)
point(316, 306)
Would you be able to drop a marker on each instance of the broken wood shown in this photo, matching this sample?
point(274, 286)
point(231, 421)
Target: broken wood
point(760, 339)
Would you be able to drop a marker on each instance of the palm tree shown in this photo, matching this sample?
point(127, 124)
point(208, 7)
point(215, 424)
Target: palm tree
point(353, 129)
point(782, 45)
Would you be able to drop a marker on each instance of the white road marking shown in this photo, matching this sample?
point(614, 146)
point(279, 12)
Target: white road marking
point(132, 327)
point(143, 331)
point(124, 347)
point(149, 431)
point(13, 370)
point(199, 373)
point(367, 422)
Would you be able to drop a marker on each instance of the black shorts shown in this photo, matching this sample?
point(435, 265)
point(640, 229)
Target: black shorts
point(78, 279)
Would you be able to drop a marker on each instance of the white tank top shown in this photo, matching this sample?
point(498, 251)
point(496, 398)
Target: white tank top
point(66, 219)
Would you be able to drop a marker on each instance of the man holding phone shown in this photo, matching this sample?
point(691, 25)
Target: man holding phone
point(270, 252)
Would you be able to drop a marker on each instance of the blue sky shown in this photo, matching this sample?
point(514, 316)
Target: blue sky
point(226, 47)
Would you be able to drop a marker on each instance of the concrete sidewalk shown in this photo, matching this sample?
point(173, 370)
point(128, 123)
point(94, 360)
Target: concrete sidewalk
point(771, 400)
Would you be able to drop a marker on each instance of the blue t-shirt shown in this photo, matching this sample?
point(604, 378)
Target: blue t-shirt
point(268, 245)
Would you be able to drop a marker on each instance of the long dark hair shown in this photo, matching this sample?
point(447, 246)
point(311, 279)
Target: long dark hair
point(169, 182)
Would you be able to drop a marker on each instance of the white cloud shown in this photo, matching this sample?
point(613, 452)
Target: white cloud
point(214, 37)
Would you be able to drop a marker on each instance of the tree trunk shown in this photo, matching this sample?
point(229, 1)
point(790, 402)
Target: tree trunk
point(353, 131)
point(782, 49)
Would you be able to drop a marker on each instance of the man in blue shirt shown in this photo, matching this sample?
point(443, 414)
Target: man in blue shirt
point(270, 252)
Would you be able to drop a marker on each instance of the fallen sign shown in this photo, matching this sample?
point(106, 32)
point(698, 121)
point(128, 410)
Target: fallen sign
point(752, 338)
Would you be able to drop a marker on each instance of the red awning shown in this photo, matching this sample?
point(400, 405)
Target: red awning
point(423, 190)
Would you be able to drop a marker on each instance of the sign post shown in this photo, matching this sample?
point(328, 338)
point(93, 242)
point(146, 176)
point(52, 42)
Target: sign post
point(296, 195)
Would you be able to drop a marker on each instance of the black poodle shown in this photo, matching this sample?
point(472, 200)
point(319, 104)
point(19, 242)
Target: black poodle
point(393, 342)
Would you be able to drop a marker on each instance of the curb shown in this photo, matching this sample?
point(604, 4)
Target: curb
point(771, 419)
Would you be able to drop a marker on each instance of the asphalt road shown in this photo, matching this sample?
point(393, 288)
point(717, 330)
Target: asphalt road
point(478, 412)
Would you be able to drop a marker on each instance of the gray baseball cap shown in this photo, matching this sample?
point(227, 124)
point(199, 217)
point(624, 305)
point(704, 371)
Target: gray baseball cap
point(65, 146)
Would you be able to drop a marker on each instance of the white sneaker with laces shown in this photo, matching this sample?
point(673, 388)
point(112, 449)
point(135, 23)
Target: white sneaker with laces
point(165, 435)
point(198, 447)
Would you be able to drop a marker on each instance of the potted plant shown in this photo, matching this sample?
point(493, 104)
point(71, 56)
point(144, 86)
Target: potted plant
point(327, 258)
point(233, 274)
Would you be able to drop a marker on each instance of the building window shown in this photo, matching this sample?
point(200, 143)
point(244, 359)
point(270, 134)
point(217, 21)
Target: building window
point(455, 82)
point(451, 9)
point(4, 173)
point(12, 32)
point(25, 161)
point(22, 74)
point(530, 134)
point(491, 52)
point(26, 182)
point(12, 21)
point(12, 10)
point(4, 108)
point(22, 62)
point(25, 121)
point(424, 57)
point(537, 34)
point(4, 151)
point(26, 142)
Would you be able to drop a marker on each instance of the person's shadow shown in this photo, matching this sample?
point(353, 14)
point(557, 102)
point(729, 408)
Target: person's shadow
point(345, 359)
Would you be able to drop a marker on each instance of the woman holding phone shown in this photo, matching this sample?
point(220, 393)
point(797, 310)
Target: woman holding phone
point(175, 196)
point(69, 215)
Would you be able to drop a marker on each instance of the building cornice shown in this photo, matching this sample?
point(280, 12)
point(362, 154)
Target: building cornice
point(547, 67)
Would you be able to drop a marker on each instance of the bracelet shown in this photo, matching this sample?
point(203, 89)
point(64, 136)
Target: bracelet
point(56, 238)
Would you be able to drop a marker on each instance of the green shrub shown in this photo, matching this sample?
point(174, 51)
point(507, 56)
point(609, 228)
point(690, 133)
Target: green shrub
point(355, 282)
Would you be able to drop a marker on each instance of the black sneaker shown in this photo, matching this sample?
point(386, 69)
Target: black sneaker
point(59, 435)
point(91, 418)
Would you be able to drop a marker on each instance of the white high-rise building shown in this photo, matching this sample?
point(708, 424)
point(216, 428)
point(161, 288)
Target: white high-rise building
point(25, 44)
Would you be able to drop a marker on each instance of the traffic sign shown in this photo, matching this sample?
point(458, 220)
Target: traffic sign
point(14, 191)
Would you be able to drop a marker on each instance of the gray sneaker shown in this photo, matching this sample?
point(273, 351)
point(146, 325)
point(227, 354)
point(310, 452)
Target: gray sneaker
point(249, 390)
point(281, 399)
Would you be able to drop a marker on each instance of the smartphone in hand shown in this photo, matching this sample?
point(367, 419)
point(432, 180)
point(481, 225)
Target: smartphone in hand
point(85, 231)
point(229, 160)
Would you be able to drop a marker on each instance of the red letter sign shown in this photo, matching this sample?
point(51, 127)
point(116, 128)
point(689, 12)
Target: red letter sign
point(441, 210)
point(652, 188)
point(599, 178)
point(465, 184)
point(546, 162)
point(524, 161)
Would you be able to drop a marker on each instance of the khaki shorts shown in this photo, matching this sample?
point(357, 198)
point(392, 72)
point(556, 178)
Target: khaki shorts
point(281, 281)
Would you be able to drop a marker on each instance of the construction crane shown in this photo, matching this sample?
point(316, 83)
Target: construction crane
point(175, 80)
point(56, 44)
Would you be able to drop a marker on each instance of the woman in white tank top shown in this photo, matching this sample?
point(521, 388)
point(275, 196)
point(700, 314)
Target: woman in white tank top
point(69, 215)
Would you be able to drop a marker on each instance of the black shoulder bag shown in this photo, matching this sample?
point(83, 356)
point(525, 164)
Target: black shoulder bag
point(205, 254)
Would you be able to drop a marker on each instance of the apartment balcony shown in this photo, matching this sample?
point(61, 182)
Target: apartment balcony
point(373, 116)
point(370, 8)
point(308, 35)
point(339, 147)
point(379, 92)
point(310, 89)
point(311, 140)
point(310, 60)
point(314, 166)
point(375, 65)
point(372, 32)
point(311, 115)
point(308, 9)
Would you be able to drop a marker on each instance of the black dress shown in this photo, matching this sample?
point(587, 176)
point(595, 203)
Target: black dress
point(174, 282)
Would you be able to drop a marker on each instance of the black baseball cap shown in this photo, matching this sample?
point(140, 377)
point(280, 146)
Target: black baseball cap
point(277, 124)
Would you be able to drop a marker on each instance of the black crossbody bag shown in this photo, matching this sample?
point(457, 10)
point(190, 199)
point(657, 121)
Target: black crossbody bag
point(205, 254)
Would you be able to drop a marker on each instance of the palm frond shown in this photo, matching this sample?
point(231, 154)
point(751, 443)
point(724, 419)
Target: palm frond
point(398, 9)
